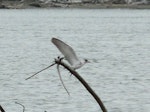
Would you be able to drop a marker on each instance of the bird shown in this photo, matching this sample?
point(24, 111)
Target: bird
point(69, 54)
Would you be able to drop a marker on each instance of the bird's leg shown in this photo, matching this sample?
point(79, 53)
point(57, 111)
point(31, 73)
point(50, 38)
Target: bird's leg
point(61, 79)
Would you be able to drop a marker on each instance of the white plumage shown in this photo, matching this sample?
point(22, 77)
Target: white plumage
point(69, 54)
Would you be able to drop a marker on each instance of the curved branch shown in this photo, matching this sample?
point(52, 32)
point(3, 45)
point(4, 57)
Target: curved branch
point(40, 71)
point(59, 62)
point(62, 80)
point(1, 109)
point(21, 105)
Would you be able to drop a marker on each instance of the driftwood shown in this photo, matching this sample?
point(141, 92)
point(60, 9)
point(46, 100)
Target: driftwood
point(1, 109)
point(72, 71)
point(59, 62)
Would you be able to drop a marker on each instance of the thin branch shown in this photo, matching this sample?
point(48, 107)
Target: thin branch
point(40, 71)
point(90, 90)
point(1, 108)
point(62, 80)
point(21, 105)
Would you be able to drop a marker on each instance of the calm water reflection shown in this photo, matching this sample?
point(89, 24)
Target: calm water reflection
point(116, 41)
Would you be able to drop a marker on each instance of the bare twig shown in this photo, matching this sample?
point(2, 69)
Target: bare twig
point(40, 71)
point(90, 90)
point(62, 80)
point(21, 105)
point(1, 109)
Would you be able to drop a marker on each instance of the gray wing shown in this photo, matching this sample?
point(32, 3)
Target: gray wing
point(66, 50)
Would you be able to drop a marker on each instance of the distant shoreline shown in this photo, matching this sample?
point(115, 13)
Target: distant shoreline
point(29, 5)
point(110, 6)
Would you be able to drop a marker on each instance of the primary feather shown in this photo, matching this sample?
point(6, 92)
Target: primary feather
point(67, 51)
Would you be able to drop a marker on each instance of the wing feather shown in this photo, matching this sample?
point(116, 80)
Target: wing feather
point(66, 50)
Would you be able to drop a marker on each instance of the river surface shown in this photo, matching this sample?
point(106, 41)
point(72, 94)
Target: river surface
point(115, 41)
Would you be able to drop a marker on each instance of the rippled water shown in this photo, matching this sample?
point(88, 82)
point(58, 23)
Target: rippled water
point(117, 42)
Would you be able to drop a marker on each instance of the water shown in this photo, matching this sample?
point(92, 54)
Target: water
point(116, 41)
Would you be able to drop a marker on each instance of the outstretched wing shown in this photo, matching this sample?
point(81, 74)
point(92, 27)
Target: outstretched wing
point(66, 50)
